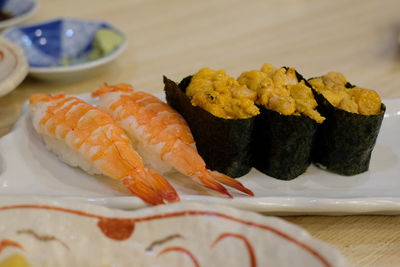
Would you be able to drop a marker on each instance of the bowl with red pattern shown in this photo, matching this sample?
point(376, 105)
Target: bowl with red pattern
point(185, 234)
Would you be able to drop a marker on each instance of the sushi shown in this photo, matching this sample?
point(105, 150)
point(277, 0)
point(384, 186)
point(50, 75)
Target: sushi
point(288, 121)
point(221, 114)
point(354, 115)
point(160, 135)
point(83, 136)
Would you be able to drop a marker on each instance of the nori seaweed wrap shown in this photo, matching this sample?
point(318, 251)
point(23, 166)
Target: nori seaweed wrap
point(345, 140)
point(283, 142)
point(282, 145)
point(224, 144)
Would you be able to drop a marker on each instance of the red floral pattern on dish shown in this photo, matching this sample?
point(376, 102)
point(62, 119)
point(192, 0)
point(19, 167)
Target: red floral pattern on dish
point(9, 243)
point(249, 247)
point(110, 226)
point(183, 250)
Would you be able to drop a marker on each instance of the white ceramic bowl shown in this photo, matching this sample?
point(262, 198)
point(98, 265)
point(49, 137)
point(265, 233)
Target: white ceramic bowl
point(48, 43)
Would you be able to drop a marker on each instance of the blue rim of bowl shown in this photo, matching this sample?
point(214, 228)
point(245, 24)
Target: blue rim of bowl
point(17, 19)
point(87, 65)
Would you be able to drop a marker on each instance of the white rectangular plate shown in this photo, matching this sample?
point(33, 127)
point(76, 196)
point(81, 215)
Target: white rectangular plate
point(27, 168)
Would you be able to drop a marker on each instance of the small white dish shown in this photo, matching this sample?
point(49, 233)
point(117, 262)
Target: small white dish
point(76, 72)
point(48, 45)
point(13, 66)
point(314, 192)
point(78, 234)
point(20, 10)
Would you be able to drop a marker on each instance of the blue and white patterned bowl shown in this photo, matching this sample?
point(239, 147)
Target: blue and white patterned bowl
point(48, 43)
point(19, 9)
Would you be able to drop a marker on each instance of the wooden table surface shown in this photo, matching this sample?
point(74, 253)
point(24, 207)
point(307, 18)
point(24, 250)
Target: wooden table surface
point(177, 37)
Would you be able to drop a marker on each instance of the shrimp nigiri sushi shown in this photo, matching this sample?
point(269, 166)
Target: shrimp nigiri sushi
point(160, 135)
point(83, 136)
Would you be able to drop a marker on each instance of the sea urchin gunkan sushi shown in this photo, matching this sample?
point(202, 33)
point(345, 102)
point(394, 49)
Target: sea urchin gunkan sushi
point(221, 115)
point(354, 115)
point(287, 123)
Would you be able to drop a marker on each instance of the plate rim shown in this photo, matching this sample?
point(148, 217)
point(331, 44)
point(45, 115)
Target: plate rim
point(276, 206)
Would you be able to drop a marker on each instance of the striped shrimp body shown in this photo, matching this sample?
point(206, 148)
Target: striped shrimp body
point(83, 136)
point(160, 133)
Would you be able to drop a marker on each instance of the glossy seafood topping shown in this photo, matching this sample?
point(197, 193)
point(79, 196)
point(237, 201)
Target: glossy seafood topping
point(356, 100)
point(160, 133)
point(221, 95)
point(82, 135)
point(279, 90)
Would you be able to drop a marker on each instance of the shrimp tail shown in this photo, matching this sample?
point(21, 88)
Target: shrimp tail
point(226, 180)
point(162, 186)
point(143, 190)
point(208, 181)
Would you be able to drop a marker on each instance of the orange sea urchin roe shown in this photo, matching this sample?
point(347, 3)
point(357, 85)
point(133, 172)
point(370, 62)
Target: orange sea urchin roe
point(279, 90)
point(221, 95)
point(355, 100)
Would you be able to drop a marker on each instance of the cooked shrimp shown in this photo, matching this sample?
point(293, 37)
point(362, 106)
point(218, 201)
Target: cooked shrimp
point(81, 135)
point(157, 129)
